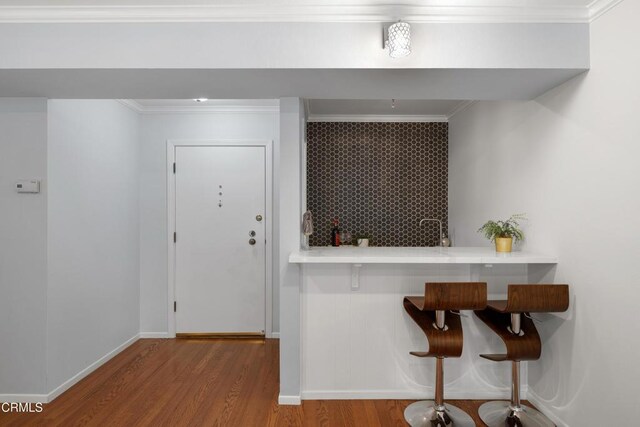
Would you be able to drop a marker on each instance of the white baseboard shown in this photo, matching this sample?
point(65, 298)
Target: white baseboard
point(86, 371)
point(289, 400)
point(24, 398)
point(155, 335)
point(403, 394)
point(544, 408)
point(275, 335)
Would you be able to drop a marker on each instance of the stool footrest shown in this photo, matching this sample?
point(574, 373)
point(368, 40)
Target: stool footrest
point(495, 357)
point(526, 346)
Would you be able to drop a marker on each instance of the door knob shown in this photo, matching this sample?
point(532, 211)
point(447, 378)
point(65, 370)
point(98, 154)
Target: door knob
point(258, 218)
point(252, 241)
point(252, 233)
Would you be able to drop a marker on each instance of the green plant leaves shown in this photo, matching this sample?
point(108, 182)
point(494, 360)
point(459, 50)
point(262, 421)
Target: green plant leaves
point(506, 228)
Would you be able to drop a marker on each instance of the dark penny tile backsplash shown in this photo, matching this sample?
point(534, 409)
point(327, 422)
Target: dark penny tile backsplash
point(378, 179)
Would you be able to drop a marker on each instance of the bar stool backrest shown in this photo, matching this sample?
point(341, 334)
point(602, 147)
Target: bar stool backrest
point(537, 298)
point(455, 296)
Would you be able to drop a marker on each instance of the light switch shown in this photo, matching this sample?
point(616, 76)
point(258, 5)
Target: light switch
point(28, 186)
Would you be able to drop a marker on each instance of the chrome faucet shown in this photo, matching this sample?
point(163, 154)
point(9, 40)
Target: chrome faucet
point(442, 238)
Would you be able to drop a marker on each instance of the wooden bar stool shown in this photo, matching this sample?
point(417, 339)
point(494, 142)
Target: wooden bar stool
point(433, 312)
point(521, 338)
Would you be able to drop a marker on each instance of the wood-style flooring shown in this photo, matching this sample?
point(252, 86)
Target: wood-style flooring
point(202, 383)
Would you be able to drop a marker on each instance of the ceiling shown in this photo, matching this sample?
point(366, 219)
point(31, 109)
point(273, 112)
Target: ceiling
point(493, 11)
point(417, 84)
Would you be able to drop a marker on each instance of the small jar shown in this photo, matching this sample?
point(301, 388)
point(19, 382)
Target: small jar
point(345, 238)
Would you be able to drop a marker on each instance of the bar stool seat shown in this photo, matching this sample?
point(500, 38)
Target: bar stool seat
point(434, 314)
point(510, 320)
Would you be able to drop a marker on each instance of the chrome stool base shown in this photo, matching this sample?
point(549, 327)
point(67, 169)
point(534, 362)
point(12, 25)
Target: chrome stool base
point(424, 414)
point(501, 414)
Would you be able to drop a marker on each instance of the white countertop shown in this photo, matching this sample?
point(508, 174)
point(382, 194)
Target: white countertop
point(423, 255)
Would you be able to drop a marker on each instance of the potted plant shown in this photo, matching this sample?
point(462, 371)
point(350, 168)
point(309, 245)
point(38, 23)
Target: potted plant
point(504, 233)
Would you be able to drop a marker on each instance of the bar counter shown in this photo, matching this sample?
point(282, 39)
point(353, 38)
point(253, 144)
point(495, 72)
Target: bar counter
point(355, 336)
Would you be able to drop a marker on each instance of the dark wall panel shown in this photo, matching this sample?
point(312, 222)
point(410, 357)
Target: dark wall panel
point(379, 179)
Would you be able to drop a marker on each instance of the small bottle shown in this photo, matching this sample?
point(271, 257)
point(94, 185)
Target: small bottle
point(335, 233)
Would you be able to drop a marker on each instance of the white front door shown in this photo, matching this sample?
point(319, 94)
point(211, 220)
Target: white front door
point(220, 239)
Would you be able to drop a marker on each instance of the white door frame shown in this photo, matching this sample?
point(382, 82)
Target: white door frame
point(171, 221)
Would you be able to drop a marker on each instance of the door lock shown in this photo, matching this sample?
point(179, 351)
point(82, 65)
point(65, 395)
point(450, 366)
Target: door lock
point(252, 241)
point(258, 218)
point(252, 233)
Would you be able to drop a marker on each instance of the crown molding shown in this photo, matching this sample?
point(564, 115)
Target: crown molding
point(220, 107)
point(366, 118)
point(597, 8)
point(460, 108)
point(411, 10)
point(131, 104)
point(307, 108)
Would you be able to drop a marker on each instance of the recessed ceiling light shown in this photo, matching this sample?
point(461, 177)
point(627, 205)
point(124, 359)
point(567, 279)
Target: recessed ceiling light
point(201, 99)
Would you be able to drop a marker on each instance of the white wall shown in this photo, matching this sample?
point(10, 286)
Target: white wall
point(356, 344)
point(93, 252)
point(569, 159)
point(156, 129)
point(291, 168)
point(23, 248)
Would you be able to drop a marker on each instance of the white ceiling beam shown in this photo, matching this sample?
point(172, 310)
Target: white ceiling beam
point(290, 46)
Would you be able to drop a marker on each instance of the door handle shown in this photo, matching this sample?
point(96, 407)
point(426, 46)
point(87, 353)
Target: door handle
point(252, 241)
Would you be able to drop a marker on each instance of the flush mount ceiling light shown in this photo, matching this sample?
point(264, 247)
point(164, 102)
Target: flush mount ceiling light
point(398, 39)
point(201, 99)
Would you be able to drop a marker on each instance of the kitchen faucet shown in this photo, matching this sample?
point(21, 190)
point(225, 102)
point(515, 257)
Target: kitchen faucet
point(444, 242)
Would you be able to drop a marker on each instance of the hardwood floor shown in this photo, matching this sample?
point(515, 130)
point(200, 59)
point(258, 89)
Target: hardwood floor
point(202, 383)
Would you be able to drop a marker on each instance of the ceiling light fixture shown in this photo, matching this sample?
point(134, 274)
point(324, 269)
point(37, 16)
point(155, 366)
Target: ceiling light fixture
point(399, 39)
point(201, 99)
